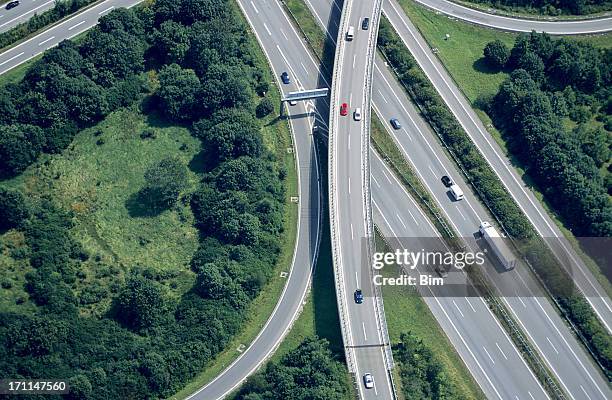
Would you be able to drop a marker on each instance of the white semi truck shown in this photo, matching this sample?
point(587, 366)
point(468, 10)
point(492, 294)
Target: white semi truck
point(496, 242)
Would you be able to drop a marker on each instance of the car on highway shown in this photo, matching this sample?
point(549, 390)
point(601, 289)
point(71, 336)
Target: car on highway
point(344, 109)
point(365, 24)
point(285, 78)
point(395, 123)
point(350, 33)
point(357, 114)
point(368, 380)
point(456, 192)
point(292, 102)
point(358, 296)
point(442, 270)
point(11, 4)
point(447, 181)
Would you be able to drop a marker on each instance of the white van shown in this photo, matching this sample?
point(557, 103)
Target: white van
point(350, 34)
point(456, 192)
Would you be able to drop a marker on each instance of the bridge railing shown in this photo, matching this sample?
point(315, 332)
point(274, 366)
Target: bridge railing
point(333, 216)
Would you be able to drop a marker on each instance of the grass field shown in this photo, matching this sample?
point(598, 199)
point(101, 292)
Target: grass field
point(407, 312)
point(97, 177)
point(462, 52)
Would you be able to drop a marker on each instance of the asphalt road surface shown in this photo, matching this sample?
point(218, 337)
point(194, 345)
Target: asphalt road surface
point(23, 12)
point(363, 333)
point(538, 318)
point(501, 164)
point(560, 27)
point(483, 345)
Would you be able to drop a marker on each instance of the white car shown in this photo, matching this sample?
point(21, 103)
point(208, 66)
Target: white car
point(357, 114)
point(368, 381)
point(292, 102)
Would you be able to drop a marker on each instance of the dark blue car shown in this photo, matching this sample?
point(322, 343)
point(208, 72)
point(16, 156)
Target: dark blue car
point(358, 296)
point(285, 78)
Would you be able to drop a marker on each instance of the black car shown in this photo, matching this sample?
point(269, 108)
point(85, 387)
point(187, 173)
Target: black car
point(358, 296)
point(447, 181)
point(365, 24)
point(285, 78)
point(395, 123)
point(12, 4)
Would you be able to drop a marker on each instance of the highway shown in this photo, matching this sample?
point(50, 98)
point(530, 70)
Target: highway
point(538, 318)
point(483, 345)
point(363, 325)
point(23, 12)
point(67, 29)
point(498, 161)
point(33, 47)
point(559, 27)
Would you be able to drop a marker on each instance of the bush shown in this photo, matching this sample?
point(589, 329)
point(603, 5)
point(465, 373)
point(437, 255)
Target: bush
point(264, 108)
point(496, 54)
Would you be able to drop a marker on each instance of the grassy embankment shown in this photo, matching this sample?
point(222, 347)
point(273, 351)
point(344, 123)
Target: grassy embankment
point(478, 82)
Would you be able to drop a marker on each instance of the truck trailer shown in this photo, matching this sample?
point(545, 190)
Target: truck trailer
point(497, 244)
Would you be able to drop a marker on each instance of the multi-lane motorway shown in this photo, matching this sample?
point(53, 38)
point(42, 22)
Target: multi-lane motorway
point(553, 340)
point(489, 354)
point(494, 363)
point(499, 162)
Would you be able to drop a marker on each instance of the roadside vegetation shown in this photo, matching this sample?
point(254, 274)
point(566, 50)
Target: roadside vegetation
point(306, 372)
point(572, 305)
point(147, 202)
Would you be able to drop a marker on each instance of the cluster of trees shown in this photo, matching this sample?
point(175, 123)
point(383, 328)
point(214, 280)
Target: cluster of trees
point(150, 342)
point(72, 86)
point(39, 21)
point(573, 306)
point(553, 7)
point(553, 80)
point(307, 372)
point(421, 374)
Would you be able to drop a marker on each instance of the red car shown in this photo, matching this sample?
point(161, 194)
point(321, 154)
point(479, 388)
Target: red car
point(344, 109)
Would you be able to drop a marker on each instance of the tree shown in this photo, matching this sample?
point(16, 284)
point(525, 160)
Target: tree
point(264, 108)
point(496, 54)
point(179, 93)
point(164, 182)
point(172, 42)
point(229, 133)
point(13, 210)
point(141, 304)
point(533, 64)
point(20, 145)
point(117, 53)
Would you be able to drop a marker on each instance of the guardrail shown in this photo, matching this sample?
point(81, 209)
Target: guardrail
point(334, 223)
point(369, 225)
point(370, 56)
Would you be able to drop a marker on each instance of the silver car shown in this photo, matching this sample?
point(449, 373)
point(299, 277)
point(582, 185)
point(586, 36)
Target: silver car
point(368, 381)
